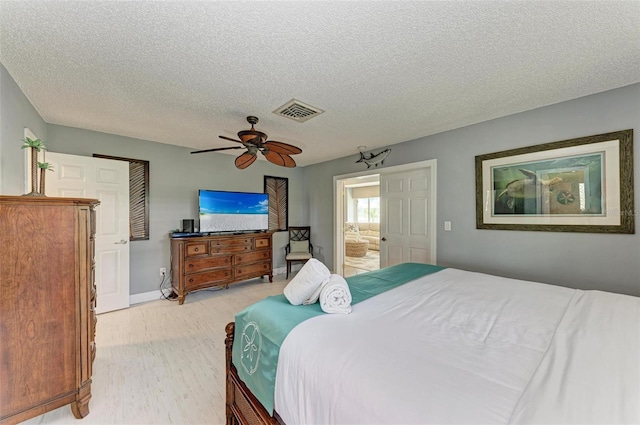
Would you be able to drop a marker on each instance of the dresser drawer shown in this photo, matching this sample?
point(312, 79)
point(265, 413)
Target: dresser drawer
point(263, 243)
point(231, 242)
point(206, 277)
point(252, 269)
point(200, 264)
point(250, 257)
point(196, 248)
point(231, 248)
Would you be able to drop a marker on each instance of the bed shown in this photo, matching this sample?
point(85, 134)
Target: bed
point(440, 345)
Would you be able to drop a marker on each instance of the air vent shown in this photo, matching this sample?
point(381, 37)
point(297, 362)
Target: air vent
point(298, 111)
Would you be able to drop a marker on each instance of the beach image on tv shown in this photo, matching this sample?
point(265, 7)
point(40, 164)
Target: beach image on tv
point(233, 211)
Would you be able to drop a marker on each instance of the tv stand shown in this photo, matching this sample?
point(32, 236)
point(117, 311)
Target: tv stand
point(199, 262)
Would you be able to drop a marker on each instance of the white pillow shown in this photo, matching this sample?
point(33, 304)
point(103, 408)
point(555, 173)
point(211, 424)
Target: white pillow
point(299, 246)
point(305, 283)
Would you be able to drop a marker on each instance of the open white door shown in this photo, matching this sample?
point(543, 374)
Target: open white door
point(407, 208)
point(108, 181)
point(407, 225)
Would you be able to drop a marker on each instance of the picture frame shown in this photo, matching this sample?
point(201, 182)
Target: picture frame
point(278, 190)
point(576, 185)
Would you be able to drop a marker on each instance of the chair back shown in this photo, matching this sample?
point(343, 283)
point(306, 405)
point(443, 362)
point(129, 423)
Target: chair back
point(300, 238)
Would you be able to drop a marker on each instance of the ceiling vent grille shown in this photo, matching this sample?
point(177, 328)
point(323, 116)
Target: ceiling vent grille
point(298, 111)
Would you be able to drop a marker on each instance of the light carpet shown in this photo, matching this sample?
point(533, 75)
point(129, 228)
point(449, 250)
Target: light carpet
point(369, 262)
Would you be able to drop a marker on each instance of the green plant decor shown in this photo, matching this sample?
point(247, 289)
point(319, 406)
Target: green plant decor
point(35, 146)
point(43, 166)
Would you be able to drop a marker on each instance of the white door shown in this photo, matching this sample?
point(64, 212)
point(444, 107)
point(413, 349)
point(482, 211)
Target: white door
point(406, 217)
point(108, 181)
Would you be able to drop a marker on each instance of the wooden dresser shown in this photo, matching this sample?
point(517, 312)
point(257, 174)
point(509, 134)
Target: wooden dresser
point(204, 261)
point(47, 301)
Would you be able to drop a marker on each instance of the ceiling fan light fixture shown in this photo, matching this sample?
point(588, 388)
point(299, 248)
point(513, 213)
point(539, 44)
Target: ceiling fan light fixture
point(255, 141)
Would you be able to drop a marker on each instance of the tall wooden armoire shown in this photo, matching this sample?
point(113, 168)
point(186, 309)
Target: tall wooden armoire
point(47, 301)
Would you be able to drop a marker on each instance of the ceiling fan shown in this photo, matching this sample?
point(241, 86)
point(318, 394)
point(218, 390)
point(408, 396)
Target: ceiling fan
point(254, 141)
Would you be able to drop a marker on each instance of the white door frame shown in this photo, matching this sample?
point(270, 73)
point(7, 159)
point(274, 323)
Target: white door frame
point(338, 201)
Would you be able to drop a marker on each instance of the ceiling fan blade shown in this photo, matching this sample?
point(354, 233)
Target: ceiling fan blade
point(229, 138)
point(244, 160)
point(281, 159)
point(283, 148)
point(218, 149)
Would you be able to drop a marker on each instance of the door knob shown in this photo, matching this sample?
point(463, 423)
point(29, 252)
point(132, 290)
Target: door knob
point(384, 239)
point(122, 242)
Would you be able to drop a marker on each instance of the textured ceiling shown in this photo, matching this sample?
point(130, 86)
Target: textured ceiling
point(183, 73)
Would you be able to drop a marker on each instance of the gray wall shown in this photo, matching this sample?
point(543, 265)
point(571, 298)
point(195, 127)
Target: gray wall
point(16, 113)
point(588, 261)
point(175, 177)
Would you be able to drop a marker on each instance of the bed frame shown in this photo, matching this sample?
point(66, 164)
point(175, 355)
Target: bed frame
point(242, 406)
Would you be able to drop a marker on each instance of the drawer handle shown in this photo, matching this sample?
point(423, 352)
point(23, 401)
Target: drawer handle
point(191, 280)
point(191, 265)
point(239, 270)
point(239, 258)
point(226, 274)
point(197, 249)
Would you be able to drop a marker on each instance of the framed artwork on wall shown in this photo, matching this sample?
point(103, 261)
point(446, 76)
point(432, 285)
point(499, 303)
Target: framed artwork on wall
point(576, 185)
point(278, 190)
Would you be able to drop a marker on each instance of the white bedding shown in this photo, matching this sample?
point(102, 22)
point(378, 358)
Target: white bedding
point(461, 347)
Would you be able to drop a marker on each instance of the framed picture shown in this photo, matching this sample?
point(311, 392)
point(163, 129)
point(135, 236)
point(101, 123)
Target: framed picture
point(278, 190)
point(577, 185)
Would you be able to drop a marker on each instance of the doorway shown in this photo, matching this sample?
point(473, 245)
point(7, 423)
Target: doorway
point(361, 224)
point(108, 181)
point(406, 220)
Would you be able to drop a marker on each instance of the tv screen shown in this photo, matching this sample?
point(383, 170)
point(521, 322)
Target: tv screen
point(222, 211)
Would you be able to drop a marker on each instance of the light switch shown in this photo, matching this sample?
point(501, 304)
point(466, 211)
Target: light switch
point(447, 226)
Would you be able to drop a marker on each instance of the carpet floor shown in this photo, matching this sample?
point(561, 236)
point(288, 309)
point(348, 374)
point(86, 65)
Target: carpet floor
point(369, 262)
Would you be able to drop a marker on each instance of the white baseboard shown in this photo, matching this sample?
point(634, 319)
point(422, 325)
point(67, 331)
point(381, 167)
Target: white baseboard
point(144, 297)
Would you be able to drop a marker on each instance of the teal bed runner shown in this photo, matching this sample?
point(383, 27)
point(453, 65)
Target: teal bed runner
point(262, 327)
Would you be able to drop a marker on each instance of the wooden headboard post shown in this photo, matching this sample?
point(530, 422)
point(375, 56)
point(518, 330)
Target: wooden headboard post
point(228, 342)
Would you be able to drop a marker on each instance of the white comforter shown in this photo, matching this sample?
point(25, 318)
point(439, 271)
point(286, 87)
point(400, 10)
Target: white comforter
point(461, 347)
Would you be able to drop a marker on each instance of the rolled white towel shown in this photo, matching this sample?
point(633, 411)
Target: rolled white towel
point(306, 281)
point(335, 296)
point(313, 298)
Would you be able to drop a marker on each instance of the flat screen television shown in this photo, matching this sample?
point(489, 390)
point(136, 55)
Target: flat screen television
point(222, 211)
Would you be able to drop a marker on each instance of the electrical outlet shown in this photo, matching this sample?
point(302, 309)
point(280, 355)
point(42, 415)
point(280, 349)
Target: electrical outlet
point(163, 271)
